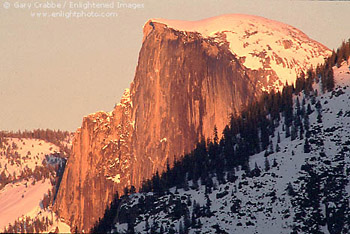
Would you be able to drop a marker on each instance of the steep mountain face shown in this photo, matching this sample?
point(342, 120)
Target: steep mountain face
point(186, 83)
point(298, 187)
point(98, 166)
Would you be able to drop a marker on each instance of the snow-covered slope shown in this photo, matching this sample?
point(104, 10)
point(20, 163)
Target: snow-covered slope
point(260, 43)
point(20, 199)
point(300, 191)
point(28, 170)
point(18, 154)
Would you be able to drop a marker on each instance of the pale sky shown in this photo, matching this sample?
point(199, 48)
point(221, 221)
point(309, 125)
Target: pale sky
point(53, 71)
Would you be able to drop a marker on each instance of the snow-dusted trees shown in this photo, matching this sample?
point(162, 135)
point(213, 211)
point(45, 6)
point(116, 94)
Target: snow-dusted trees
point(56, 137)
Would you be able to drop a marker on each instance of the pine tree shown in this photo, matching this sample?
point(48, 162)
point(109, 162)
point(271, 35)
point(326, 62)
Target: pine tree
point(187, 221)
point(309, 110)
point(293, 134)
point(126, 191)
point(346, 51)
point(278, 149)
point(271, 148)
point(301, 136)
point(290, 189)
point(246, 167)
point(207, 206)
point(216, 138)
point(132, 189)
point(185, 184)
point(340, 53)
point(307, 147)
point(287, 131)
point(181, 229)
point(332, 59)
point(266, 154)
point(267, 164)
point(256, 171)
point(306, 123)
point(328, 79)
point(319, 118)
point(318, 106)
point(274, 164)
point(298, 106)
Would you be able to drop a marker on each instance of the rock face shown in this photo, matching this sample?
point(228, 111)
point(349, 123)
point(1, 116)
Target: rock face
point(185, 84)
point(99, 161)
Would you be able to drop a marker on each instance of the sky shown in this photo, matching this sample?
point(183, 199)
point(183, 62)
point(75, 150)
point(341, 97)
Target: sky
point(56, 69)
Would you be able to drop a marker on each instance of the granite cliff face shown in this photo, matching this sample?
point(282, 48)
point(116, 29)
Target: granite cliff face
point(185, 84)
point(98, 164)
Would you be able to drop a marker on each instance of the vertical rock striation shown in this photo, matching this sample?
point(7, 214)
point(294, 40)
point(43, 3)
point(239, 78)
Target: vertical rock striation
point(184, 85)
point(98, 163)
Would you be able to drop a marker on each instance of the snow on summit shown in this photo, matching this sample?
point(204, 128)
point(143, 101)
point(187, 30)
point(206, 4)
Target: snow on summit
point(260, 43)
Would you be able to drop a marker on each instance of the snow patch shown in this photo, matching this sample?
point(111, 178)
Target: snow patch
point(115, 179)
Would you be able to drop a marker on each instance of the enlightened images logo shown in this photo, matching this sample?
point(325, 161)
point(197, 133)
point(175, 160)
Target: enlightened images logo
point(72, 9)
